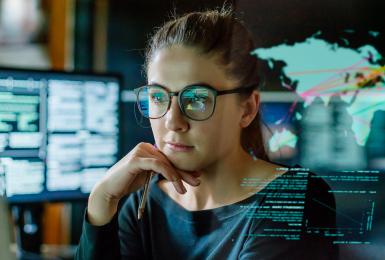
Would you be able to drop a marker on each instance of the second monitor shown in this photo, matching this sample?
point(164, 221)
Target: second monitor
point(59, 133)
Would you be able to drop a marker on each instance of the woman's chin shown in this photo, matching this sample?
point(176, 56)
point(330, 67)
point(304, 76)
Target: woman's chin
point(184, 161)
point(185, 164)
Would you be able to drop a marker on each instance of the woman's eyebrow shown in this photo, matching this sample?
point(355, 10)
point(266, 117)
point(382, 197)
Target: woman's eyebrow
point(198, 83)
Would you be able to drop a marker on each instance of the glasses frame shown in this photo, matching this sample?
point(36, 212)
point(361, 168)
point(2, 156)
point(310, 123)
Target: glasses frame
point(188, 87)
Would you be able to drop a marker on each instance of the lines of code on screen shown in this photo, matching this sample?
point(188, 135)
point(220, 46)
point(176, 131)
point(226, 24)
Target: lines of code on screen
point(282, 213)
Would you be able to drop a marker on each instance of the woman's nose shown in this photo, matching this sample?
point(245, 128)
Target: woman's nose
point(175, 120)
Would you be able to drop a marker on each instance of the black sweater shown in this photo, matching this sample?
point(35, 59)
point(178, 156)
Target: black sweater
point(278, 222)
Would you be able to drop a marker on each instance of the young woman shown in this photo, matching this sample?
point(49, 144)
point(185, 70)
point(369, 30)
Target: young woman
point(209, 198)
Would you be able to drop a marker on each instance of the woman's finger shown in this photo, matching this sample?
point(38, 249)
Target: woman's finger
point(188, 177)
point(159, 166)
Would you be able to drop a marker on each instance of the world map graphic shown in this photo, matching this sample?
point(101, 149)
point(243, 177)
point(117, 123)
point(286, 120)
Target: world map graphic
point(324, 70)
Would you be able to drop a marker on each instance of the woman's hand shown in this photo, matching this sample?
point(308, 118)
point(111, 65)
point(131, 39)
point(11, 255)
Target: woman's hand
point(129, 175)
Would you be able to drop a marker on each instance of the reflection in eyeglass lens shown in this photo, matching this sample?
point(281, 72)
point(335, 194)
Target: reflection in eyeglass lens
point(157, 101)
point(197, 102)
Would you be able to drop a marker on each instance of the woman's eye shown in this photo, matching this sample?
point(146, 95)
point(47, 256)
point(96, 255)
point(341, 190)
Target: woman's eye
point(157, 98)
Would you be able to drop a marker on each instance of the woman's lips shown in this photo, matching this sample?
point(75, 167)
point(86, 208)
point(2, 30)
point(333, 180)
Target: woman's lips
point(179, 147)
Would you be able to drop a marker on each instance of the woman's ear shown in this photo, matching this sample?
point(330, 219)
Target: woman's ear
point(250, 108)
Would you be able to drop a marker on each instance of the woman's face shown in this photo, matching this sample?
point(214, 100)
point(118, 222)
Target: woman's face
point(210, 140)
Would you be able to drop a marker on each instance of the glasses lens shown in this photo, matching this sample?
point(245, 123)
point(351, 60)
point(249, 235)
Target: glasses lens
point(198, 102)
point(153, 101)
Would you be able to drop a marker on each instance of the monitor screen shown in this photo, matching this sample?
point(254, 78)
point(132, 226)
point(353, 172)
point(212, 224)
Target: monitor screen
point(59, 133)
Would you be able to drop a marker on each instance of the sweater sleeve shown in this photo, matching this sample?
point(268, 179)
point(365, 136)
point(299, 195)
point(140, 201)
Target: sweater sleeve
point(119, 239)
point(318, 212)
point(98, 242)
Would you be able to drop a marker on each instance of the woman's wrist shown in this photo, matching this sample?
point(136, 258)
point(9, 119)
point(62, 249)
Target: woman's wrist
point(101, 207)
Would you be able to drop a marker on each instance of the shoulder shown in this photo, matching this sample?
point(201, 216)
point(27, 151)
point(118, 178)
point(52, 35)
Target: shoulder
point(300, 178)
point(319, 200)
point(300, 186)
point(317, 190)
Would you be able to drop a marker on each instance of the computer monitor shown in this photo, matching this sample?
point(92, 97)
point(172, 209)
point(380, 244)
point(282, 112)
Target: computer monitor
point(59, 133)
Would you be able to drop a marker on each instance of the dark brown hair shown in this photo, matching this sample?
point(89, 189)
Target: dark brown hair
point(220, 34)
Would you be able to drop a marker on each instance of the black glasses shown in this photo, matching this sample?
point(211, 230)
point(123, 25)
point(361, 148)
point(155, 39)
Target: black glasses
point(196, 102)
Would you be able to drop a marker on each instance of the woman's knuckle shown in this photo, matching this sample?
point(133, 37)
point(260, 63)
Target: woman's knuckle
point(135, 156)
